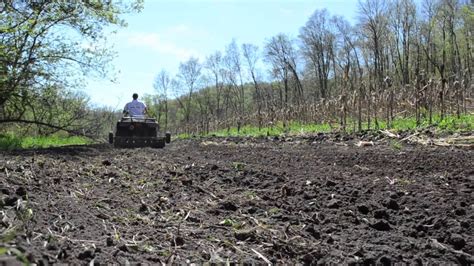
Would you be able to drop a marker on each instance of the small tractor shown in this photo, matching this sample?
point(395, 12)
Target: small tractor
point(134, 132)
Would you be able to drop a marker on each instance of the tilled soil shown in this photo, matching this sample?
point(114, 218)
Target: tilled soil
point(307, 200)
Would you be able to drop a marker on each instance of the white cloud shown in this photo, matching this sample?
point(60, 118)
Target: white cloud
point(154, 42)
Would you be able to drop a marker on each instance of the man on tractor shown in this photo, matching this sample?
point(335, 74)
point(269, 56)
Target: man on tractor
point(135, 107)
point(135, 129)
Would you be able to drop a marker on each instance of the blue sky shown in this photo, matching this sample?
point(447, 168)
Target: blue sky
point(168, 32)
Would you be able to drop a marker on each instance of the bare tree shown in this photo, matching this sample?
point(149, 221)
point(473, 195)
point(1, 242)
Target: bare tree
point(373, 24)
point(403, 22)
point(280, 52)
point(250, 53)
point(189, 74)
point(392, 63)
point(318, 47)
point(162, 86)
point(348, 46)
point(233, 63)
point(214, 65)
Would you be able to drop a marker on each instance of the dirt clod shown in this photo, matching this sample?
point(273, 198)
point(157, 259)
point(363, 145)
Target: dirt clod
point(460, 212)
point(309, 259)
point(381, 225)
point(123, 248)
point(86, 254)
point(363, 209)
point(178, 241)
point(229, 206)
point(334, 204)
point(10, 201)
point(109, 242)
point(385, 260)
point(392, 204)
point(21, 192)
point(245, 234)
point(381, 214)
point(314, 232)
point(457, 241)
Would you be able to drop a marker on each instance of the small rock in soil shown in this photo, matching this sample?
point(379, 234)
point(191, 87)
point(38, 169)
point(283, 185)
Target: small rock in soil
point(330, 183)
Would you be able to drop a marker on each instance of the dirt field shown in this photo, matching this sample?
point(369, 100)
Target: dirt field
point(303, 200)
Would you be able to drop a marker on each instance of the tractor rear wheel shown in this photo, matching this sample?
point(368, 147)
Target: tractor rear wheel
point(160, 143)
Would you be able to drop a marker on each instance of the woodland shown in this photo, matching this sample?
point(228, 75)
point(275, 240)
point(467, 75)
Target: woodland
point(399, 59)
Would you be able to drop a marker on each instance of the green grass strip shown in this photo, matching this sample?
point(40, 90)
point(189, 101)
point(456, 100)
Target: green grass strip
point(449, 124)
point(10, 141)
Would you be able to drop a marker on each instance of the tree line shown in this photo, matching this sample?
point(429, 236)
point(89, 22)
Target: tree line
point(399, 58)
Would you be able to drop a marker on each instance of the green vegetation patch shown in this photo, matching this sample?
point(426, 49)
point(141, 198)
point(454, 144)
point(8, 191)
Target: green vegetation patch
point(449, 124)
point(10, 141)
point(275, 130)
